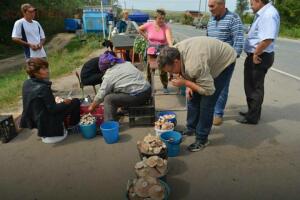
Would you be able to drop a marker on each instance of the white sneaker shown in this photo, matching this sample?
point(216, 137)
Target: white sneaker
point(52, 140)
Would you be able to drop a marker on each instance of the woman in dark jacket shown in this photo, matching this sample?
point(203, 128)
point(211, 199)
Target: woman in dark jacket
point(39, 107)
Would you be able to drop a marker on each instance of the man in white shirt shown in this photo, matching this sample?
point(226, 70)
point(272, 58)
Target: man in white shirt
point(259, 47)
point(29, 33)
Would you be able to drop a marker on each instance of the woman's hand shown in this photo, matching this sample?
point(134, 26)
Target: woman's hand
point(179, 81)
point(67, 101)
point(92, 107)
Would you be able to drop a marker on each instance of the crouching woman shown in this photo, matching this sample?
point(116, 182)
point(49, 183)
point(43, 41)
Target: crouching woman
point(123, 85)
point(39, 107)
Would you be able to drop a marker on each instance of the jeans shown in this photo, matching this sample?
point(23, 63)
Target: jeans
point(222, 100)
point(201, 108)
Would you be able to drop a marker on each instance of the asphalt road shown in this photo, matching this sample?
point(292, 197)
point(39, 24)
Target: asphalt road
point(287, 51)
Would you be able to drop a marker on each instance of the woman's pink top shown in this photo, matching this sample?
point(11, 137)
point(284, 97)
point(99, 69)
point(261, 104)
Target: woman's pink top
point(156, 37)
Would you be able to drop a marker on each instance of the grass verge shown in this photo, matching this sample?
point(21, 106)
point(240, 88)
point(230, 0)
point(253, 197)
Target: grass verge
point(290, 32)
point(60, 62)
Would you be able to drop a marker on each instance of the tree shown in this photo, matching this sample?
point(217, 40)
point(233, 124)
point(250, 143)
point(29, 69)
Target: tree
point(241, 7)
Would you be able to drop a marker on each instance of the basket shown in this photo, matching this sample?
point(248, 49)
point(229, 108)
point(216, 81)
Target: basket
point(7, 128)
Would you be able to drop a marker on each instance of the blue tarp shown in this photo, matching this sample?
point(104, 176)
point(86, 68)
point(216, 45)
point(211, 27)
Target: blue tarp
point(139, 17)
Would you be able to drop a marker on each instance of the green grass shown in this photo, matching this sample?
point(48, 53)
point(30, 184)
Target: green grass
point(60, 63)
point(290, 32)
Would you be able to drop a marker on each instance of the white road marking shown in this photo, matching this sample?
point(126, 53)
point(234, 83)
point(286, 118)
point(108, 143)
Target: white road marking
point(281, 72)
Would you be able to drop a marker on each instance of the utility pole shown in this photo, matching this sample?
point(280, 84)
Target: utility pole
point(205, 6)
point(124, 4)
point(199, 9)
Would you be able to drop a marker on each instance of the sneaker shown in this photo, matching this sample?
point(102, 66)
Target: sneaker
point(217, 120)
point(198, 145)
point(165, 90)
point(188, 132)
point(52, 140)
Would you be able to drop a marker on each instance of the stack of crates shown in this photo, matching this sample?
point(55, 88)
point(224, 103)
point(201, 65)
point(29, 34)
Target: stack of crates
point(143, 114)
point(7, 128)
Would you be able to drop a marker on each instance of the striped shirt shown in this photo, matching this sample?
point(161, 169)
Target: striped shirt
point(229, 29)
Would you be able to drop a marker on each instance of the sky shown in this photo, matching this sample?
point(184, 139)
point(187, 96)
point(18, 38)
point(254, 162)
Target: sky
point(174, 5)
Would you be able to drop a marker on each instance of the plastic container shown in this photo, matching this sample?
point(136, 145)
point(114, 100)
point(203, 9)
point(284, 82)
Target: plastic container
point(182, 90)
point(159, 132)
point(72, 24)
point(98, 113)
point(92, 21)
point(88, 131)
point(173, 120)
point(172, 139)
point(110, 131)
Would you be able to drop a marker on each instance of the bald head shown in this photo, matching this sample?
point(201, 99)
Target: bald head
point(217, 7)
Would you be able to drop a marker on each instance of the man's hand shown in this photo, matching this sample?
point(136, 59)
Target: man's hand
point(33, 47)
point(189, 93)
point(179, 81)
point(256, 59)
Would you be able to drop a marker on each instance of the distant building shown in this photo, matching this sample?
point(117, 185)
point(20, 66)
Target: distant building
point(193, 13)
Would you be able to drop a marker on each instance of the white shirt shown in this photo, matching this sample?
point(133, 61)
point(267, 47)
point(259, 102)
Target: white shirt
point(34, 33)
point(265, 26)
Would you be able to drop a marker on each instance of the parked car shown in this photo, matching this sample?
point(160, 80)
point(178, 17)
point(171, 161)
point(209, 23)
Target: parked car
point(246, 28)
point(202, 24)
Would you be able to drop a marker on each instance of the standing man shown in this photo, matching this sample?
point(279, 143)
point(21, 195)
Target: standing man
point(227, 27)
point(204, 65)
point(29, 33)
point(259, 46)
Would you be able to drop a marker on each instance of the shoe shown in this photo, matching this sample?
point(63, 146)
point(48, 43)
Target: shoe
point(217, 121)
point(245, 121)
point(165, 90)
point(52, 140)
point(198, 145)
point(243, 113)
point(189, 132)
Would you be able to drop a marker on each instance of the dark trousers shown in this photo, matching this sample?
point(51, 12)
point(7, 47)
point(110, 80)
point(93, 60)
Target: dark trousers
point(201, 108)
point(162, 75)
point(254, 78)
point(72, 114)
point(115, 100)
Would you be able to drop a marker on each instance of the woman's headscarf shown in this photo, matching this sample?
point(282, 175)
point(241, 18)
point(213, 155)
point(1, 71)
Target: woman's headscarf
point(107, 60)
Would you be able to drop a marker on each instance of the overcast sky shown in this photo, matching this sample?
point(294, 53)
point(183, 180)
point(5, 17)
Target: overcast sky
point(176, 5)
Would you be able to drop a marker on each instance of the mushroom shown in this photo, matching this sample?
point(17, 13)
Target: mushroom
point(156, 192)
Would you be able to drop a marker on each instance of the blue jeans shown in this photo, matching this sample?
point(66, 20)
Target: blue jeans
point(222, 100)
point(201, 108)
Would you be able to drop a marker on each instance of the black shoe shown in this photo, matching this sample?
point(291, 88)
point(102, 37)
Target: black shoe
point(243, 113)
point(245, 121)
point(198, 145)
point(189, 132)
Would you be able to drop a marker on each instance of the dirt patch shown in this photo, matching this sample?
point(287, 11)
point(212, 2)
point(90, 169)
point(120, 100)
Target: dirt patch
point(58, 42)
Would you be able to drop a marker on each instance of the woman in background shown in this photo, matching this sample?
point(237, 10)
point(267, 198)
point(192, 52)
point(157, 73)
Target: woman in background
point(159, 35)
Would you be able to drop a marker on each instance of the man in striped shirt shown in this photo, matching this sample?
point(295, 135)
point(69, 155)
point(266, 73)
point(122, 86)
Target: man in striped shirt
point(227, 27)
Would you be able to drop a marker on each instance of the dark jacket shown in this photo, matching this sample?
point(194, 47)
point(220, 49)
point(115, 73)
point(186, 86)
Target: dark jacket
point(90, 73)
point(40, 109)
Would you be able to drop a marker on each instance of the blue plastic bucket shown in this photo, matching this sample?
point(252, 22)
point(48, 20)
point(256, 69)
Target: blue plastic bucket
point(172, 139)
point(110, 131)
point(173, 120)
point(88, 131)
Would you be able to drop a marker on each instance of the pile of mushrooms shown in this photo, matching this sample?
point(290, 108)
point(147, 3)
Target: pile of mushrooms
point(153, 166)
point(169, 116)
point(151, 145)
point(87, 119)
point(146, 188)
point(163, 124)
